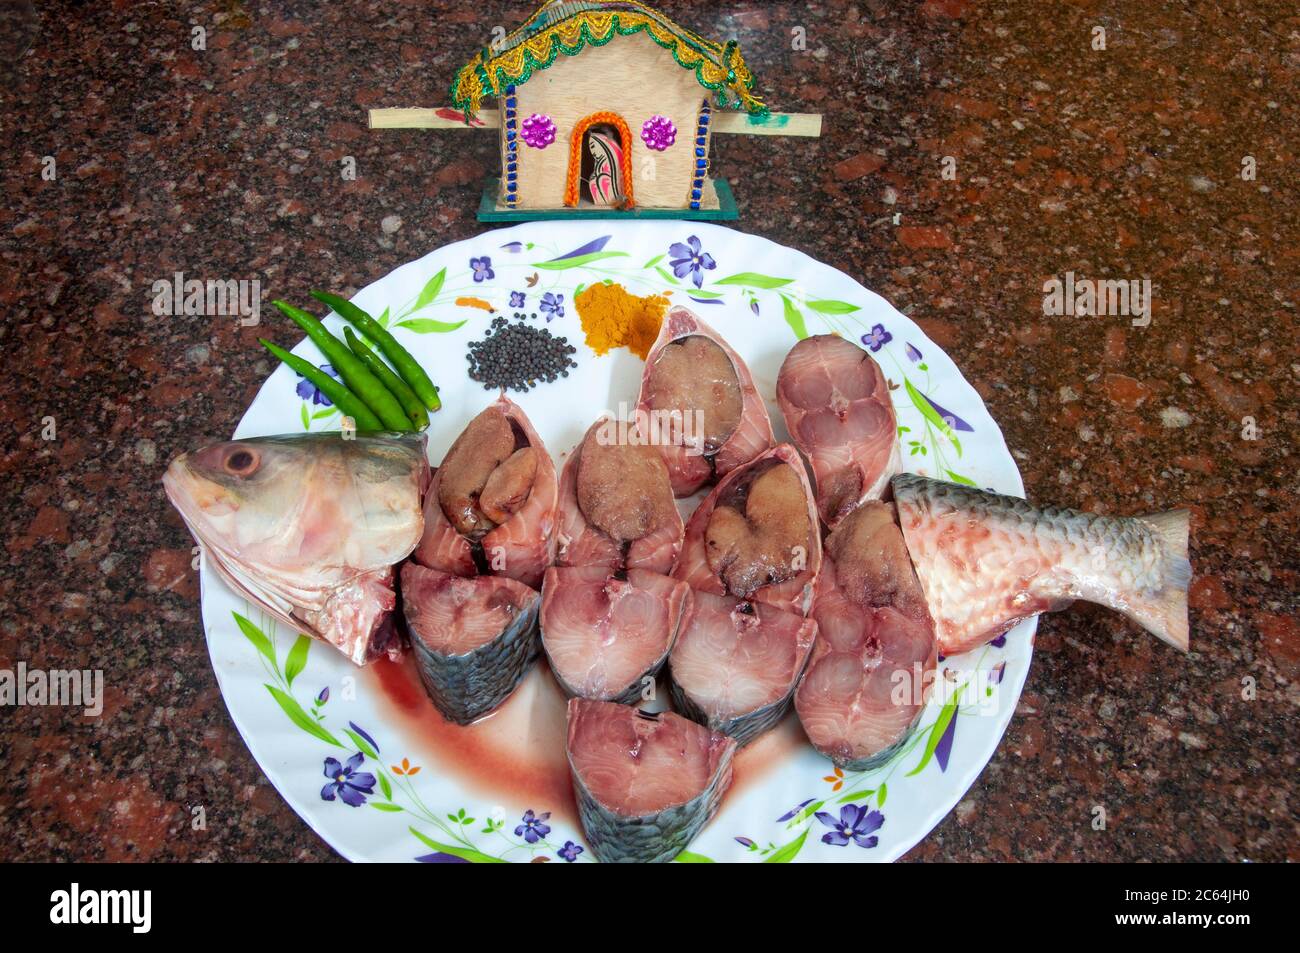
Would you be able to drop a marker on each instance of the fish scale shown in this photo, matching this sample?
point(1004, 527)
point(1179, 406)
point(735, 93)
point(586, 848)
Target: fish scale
point(986, 561)
point(468, 685)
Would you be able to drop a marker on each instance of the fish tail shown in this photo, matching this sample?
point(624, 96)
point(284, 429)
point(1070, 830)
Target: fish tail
point(1163, 612)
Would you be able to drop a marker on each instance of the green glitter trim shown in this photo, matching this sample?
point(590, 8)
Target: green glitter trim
point(557, 46)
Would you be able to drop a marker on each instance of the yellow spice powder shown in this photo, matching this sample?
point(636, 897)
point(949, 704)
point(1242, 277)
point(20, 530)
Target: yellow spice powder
point(613, 317)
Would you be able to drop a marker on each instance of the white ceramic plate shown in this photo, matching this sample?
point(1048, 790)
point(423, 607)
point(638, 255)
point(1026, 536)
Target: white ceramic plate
point(499, 790)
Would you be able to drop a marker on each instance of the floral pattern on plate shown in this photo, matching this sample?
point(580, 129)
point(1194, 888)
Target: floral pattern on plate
point(390, 804)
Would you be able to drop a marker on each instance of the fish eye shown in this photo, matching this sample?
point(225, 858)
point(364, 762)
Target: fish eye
point(241, 462)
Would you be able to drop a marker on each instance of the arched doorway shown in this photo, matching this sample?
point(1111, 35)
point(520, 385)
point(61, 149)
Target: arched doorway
point(603, 143)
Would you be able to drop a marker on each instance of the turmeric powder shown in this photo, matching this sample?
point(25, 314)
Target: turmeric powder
point(613, 317)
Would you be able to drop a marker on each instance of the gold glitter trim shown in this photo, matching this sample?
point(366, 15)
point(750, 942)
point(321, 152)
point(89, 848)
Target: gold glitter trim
point(568, 27)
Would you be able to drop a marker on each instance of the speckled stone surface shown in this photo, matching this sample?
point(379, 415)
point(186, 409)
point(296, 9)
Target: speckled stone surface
point(1123, 163)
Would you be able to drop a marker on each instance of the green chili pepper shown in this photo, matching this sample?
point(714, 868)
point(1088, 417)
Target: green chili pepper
point(347, 402)
point(355, 374)
point(396, 386)
point(406, 365)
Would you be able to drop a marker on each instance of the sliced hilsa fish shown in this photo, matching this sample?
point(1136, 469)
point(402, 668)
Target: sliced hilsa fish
point(868, 679)
point(700, 399)
point(987, 561)
point(645, 783)
point(492, 504)
point(755, 536)
point(610, 612)
point(473, 637)
point(836, 405)
point(616, 503)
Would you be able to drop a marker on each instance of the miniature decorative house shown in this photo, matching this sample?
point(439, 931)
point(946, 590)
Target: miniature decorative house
point(605, 108)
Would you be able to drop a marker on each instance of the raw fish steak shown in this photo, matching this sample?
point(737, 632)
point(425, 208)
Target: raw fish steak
point(309, 527)
point(473, 637)
point(700, 400)
point(489, 535)
point(616, 503)
point(987, 561)
point(491, 508)
point(874, 660)
point(736, 664)
point(645, 783)
point(835, 401)
point(610, 612)
point(605, 637)
point(755, 536)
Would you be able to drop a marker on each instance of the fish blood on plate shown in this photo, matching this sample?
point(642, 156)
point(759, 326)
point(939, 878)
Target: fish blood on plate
point(987, 561)
point(309, 527)
point(835, 400)
point(875, 655)
point(610, 612)
point(699, 398)
point(471, 599)
point(645, 783)
point(751, 556)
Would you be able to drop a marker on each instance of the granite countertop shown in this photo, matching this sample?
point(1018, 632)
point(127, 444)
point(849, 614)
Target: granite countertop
point(1124, 163)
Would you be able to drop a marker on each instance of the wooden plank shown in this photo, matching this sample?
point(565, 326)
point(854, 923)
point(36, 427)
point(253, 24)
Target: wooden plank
point(445, 118)
point(773, 124)
point(735, 123)
point(489, 211)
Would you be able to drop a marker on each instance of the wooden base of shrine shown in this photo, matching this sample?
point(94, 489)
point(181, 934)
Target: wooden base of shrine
point(490, 211)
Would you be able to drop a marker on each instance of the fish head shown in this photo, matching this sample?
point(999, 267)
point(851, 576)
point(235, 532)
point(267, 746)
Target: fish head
point(239, 497)
point(308, 525)
point(251, 479)
point(304, 504)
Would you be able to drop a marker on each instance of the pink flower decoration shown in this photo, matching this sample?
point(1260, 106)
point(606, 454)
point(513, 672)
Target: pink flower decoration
point(658, 133)
point(538, 131)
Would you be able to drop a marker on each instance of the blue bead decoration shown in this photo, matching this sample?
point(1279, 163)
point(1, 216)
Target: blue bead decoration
point(695, 206)
point(697, 194)
point(699, 153)
point(704, 119)
point(701, 163)
point(511, 166)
